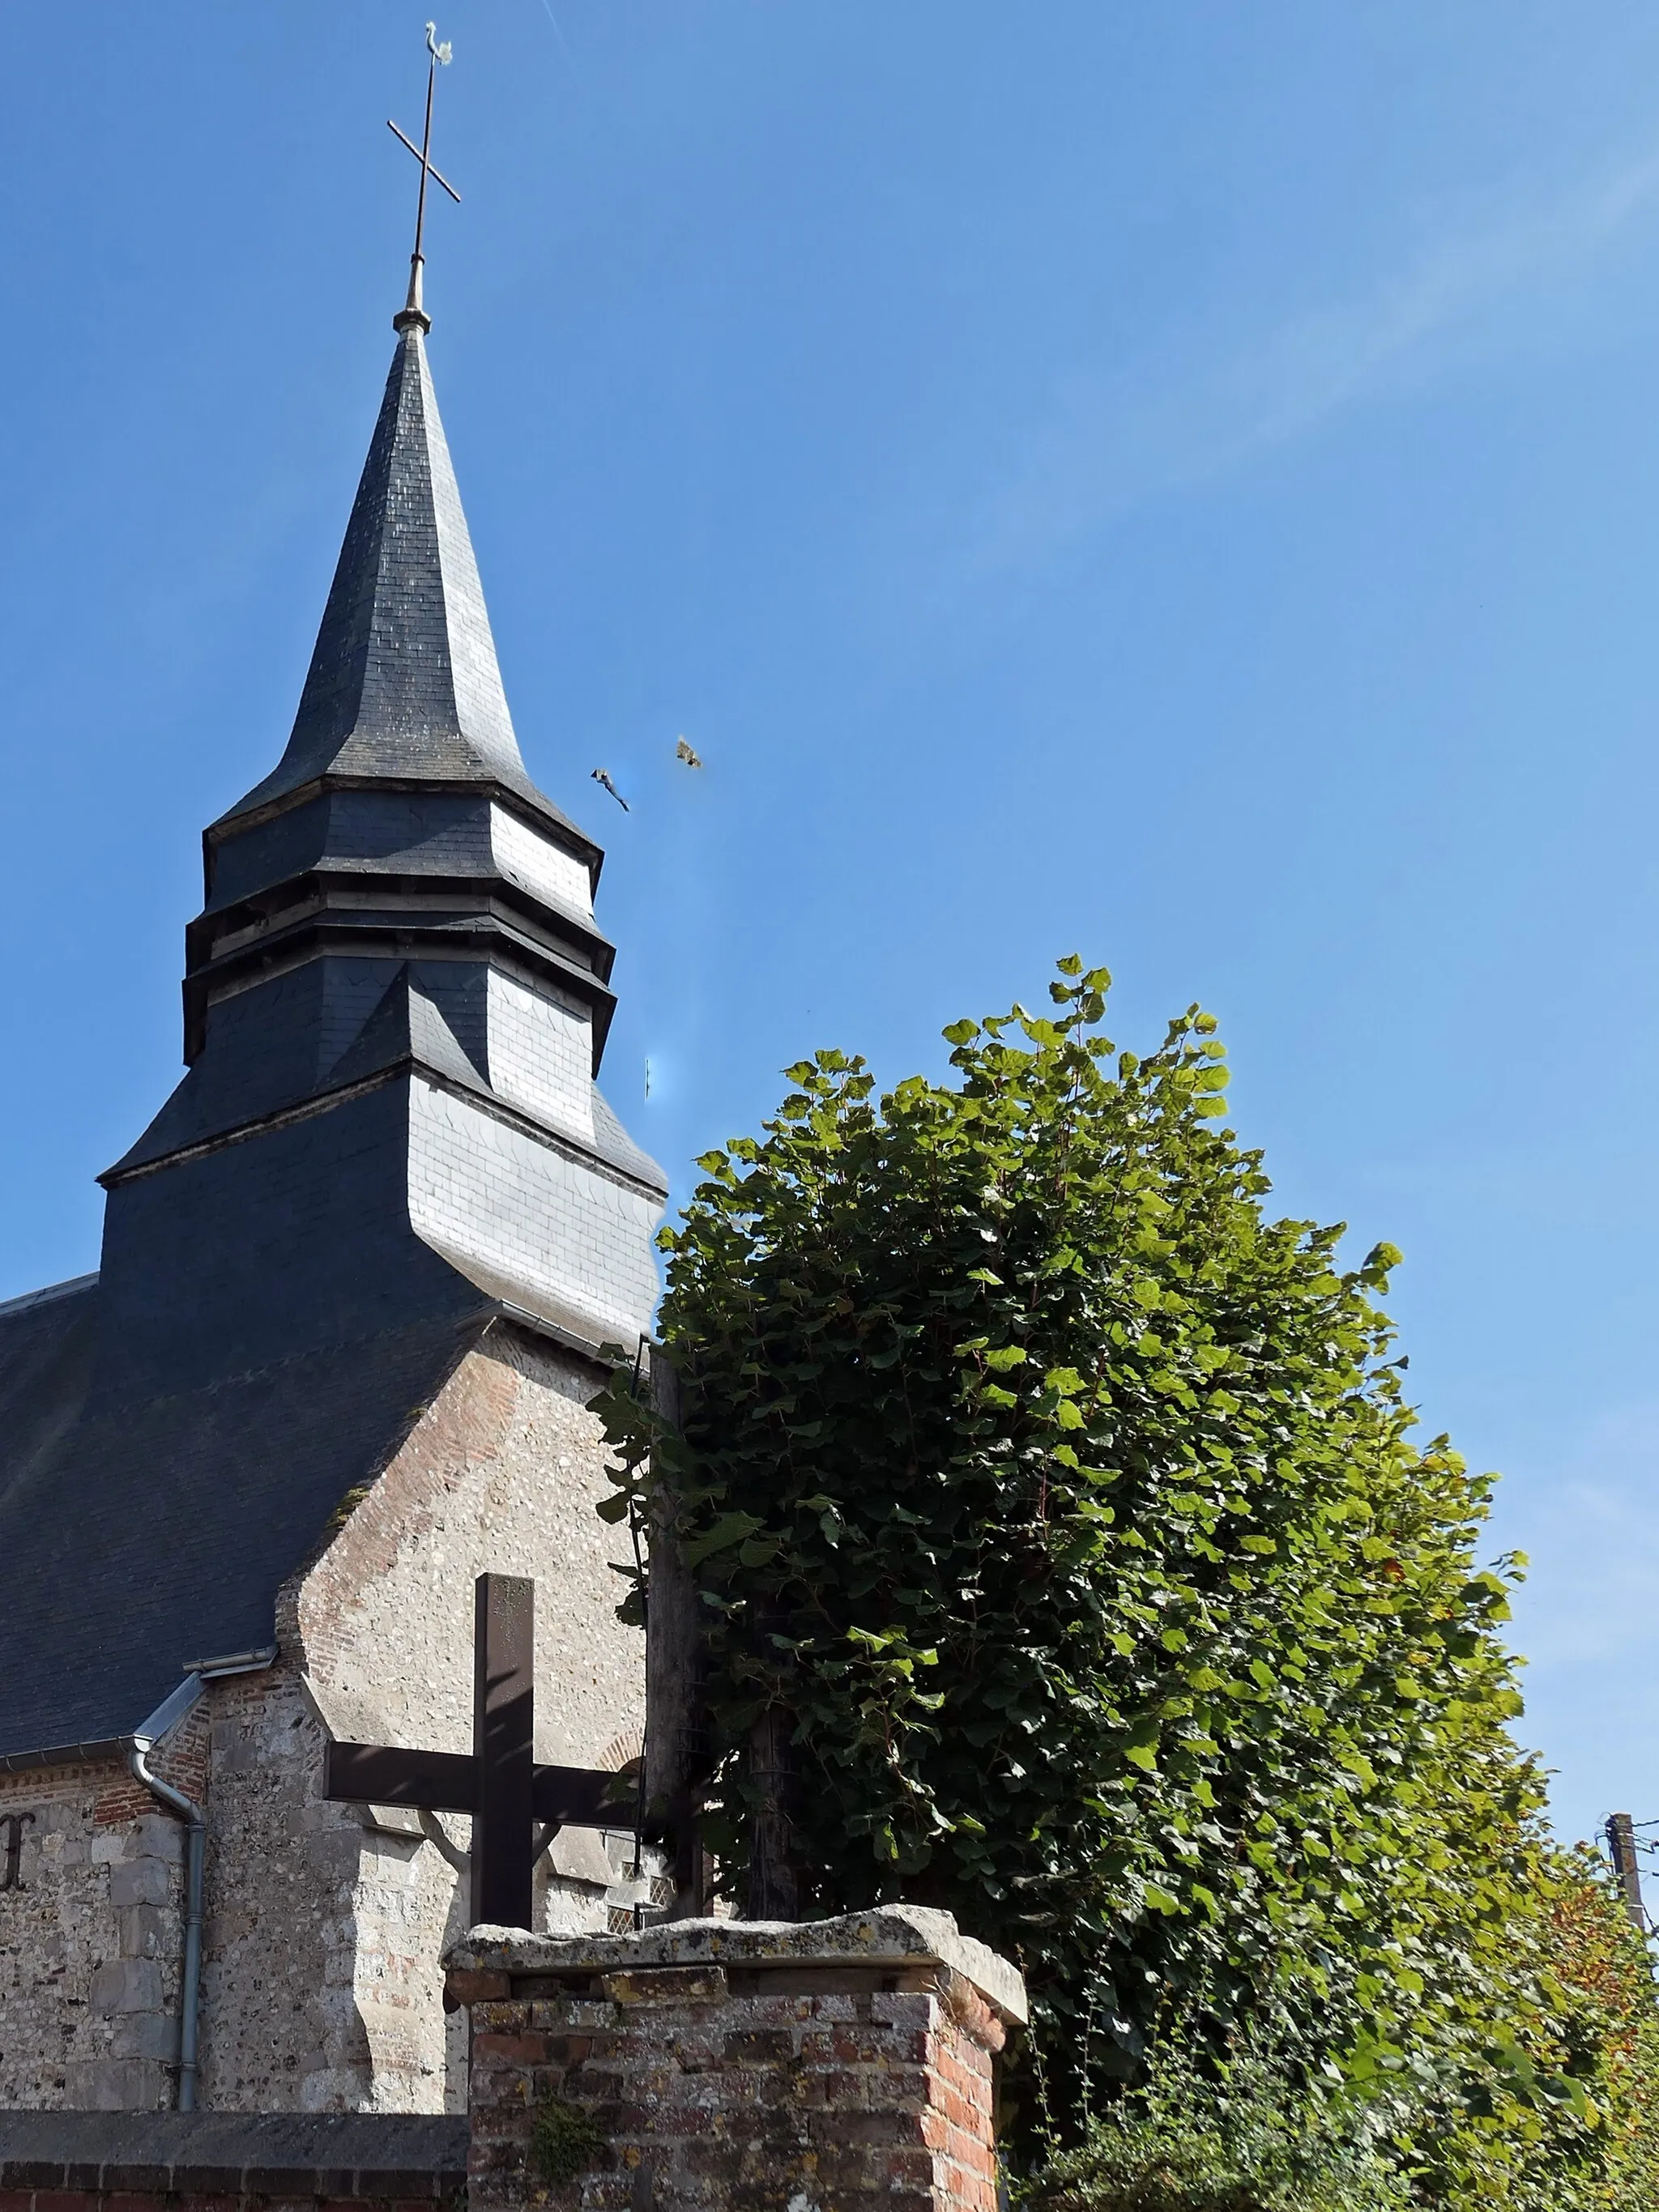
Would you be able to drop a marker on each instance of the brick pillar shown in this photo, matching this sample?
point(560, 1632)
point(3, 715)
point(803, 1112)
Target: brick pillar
point(725, 2066)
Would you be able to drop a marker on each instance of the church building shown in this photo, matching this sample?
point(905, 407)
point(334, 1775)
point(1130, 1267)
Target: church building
point(361, 1278)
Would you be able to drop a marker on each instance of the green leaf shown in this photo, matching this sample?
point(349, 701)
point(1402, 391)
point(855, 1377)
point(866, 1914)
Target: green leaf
point(735, 1527)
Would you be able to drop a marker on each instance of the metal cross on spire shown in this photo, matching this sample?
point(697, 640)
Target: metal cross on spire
point(412, 312)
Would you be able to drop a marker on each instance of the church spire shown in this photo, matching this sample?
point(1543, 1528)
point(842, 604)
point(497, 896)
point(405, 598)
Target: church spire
point(389, 822)
point(403, 680)
point(400, 821)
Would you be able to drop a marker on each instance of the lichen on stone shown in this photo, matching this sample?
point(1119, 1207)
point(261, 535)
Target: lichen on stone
point(564, 2140)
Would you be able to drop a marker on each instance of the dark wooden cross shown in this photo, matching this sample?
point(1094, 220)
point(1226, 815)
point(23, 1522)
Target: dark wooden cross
point(517, 1806)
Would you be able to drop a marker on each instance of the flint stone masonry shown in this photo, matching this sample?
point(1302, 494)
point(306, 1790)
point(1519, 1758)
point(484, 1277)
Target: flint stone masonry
point(214, 2161)
point(726, 2066)
point(89, 1942)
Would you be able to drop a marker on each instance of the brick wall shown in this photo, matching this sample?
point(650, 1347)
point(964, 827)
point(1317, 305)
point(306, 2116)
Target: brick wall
point(714, 2066)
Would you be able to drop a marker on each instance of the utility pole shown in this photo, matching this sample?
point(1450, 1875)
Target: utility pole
point(1621, 1843)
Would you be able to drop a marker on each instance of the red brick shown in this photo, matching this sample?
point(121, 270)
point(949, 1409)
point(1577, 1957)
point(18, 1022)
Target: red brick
point(959, 2113)
point(496, 2122)
point(526, 2048)
point(472, 1985)
point(884, 2130)
point(668, 1986)
point(966, 2149)
point(749, 2046)
point(959, 2057)
point(914, 2167)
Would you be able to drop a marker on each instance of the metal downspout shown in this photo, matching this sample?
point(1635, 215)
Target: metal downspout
point(190, 1991)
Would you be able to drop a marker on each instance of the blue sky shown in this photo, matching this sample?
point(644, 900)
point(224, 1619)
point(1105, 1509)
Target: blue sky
point(1179, 484)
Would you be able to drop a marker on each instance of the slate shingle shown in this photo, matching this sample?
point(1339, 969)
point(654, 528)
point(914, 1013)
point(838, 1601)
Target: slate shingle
point(139, 1533)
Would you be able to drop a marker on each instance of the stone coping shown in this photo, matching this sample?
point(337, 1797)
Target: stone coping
point(334, 2154)
point(890, 1935)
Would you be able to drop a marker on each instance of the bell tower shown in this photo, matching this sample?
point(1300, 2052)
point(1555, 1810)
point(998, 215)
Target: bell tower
point(396, 996)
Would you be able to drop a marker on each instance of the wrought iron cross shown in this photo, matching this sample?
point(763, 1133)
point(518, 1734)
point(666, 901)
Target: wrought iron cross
point(498, 1782)
point(438, 56)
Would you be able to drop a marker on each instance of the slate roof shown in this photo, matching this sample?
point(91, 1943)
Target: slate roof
point(139, 1534)
point(287, 1060)
point(403, 680)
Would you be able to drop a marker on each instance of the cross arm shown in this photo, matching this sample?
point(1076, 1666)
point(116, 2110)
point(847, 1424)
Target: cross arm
point(376, 1774)
point(585, 1797)
point(431, 172)
point(445, 1782)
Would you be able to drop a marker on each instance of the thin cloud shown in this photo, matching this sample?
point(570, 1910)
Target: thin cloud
point(1590, 1525)
point(1104, 445)
point(547, 10)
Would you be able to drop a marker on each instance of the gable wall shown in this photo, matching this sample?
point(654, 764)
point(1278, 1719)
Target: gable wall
point(324, 1989)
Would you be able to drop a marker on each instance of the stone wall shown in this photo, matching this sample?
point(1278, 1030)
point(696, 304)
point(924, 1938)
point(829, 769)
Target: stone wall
point(503, 1472)
point(90, 1941)
point(719, 2066)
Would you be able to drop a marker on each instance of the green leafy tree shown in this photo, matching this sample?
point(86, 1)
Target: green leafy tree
point(1250, 2140)
point(1066, 1560)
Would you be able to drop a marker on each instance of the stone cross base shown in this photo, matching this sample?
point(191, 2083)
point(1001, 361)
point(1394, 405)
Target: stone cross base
point(721, 2066)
